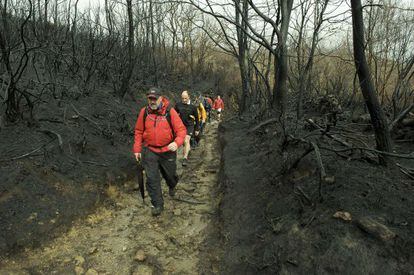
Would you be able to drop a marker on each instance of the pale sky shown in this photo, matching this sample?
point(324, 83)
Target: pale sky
point(85, 3)
point(340, 30)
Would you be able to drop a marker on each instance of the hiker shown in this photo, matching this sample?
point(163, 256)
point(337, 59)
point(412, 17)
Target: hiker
point(218, 106)
point(159, 132)
point(208, 104)
point(202, 117)
point(189, 116)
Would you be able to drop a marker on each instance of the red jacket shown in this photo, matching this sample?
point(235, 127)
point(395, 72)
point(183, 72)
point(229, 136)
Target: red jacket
point(158, 133)
point(218, 103)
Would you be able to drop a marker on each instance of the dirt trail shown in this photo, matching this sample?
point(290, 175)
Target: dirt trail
point(123, 238)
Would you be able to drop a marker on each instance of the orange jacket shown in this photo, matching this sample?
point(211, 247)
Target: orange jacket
point(157, 133)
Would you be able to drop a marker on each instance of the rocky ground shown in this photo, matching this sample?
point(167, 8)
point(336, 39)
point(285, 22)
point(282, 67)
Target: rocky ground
point(123, 238)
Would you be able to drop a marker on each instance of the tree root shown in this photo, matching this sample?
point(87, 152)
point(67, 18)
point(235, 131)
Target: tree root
point(57, 135)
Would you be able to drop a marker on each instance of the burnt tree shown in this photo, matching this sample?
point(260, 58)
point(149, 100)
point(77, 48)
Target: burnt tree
point(131, 53)
point(379, 123)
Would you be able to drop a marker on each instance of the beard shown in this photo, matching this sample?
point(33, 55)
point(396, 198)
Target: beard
point(153, 106)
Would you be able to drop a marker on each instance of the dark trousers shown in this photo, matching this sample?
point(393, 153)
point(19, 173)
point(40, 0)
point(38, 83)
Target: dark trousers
point(154, 163)
point(208, 115)
point(202, 127)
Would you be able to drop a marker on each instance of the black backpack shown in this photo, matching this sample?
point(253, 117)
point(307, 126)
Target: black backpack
point(206, 104)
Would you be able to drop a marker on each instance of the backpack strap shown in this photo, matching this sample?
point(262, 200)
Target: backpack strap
point(145, 117)
point(167, 117)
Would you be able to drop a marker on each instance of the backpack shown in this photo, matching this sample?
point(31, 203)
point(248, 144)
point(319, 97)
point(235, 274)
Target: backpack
point(167, 117)
point(206, 104)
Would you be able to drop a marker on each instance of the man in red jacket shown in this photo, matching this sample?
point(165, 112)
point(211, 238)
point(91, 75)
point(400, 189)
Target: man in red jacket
point(218, 106)
point(159, 132)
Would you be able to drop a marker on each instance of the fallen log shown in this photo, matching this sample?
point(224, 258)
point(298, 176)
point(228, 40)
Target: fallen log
point(344, 143)
point(87, 118)
point(400, 117)
point(27, 154)
point(322, 174)
point(262, 124)
point(407, 156)
point(406, 171)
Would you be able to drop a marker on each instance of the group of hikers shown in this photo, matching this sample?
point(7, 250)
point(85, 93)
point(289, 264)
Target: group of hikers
point(161, 129)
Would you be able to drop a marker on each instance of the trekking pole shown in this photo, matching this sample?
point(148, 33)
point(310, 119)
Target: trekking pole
point(140, 177)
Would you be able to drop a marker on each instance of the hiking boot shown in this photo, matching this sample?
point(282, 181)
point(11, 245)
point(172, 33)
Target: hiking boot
point(156, 211)
point(185, 162)
point(171, 192)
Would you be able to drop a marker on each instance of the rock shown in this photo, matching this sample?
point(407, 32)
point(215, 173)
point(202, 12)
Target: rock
point(364, 118)
point(79, 270)
point(329, 179)
point(343, 215)
point(159, 246)
point(32, 217)
point(79, 260)
point(108, 249)
point(93, 250)
point(91, 271)
point(376, 229)
point(124, 248)
point(113, 192)
point(177, 212)
point(174, 241)
point(140, 256)
point(212, 171)
point(188, 188)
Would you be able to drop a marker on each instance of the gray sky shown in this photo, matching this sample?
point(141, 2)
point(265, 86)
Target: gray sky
point(339, 30)
point(83, 4)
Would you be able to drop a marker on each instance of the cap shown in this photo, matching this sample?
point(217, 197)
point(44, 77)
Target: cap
point(154, 93)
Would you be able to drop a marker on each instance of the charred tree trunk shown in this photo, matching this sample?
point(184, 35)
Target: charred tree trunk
point(12, 108)
point(382, 136)
point(281, 61)
point(131, 55)
point(243, 56)
point(153, 43)
point(280, 88)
